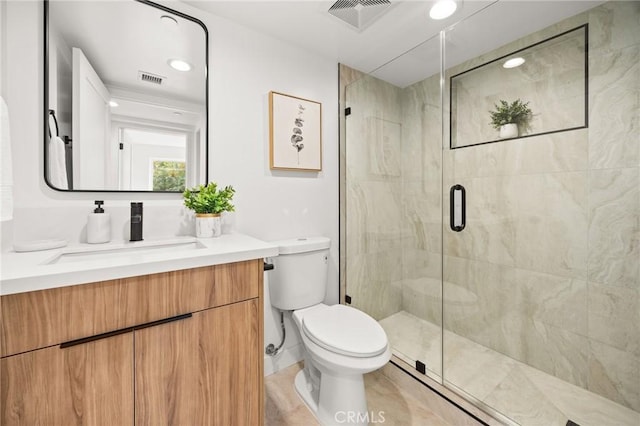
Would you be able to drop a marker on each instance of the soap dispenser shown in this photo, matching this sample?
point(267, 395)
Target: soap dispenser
point(98, 225)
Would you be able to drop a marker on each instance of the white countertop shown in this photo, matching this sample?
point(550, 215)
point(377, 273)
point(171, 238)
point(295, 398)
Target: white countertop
point(23, 272)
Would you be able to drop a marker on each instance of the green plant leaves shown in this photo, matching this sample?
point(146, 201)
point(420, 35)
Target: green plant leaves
point(517, 112)
point(208, 199)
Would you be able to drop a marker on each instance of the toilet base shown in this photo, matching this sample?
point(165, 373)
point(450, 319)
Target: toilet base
point(340, 400)
point(306, 393)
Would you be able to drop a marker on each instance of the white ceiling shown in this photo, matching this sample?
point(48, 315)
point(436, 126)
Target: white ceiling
point(306, 23)
point(106, 30)
point(121, 38)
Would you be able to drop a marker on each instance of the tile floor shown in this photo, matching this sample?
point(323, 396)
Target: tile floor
point(525, 394)
point(393, 403)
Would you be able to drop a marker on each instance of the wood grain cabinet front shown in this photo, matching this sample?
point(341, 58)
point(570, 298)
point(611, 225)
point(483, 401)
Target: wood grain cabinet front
point(177, 348)
point(202, 370)
point(87, 384)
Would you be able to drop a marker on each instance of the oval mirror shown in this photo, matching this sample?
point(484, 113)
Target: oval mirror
point(126, 97)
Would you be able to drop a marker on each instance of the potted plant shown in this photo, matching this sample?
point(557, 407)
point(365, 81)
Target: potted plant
point(509, 117)
point(208, 202)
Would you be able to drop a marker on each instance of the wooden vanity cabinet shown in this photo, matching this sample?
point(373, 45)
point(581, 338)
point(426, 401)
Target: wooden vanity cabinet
point(175, 348)
point(90, 384)
point(198, 371)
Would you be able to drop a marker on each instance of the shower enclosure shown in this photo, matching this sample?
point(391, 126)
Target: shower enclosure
point(528, 302)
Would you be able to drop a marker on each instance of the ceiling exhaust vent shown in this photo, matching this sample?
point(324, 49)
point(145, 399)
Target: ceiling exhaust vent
point(359, 14)
point(147, 77)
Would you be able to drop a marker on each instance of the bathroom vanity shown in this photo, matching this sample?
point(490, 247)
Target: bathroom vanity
point(173, 345)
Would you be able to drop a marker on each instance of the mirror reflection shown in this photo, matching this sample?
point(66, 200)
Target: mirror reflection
point(125, 96)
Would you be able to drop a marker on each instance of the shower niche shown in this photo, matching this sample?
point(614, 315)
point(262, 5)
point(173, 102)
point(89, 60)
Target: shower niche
point(549, 77)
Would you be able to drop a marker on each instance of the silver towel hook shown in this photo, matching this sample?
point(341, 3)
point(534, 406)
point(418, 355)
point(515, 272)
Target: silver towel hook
point(52, 114)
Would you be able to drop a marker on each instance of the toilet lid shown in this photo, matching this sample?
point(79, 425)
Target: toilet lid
point(345, 330)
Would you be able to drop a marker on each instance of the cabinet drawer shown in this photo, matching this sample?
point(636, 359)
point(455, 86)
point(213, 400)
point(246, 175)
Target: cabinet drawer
point(48, 317)
point(90, 384)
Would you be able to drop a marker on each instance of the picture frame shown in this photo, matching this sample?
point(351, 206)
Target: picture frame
point(295, 133)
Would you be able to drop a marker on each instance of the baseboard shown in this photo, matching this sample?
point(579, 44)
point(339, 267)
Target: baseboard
point(286, 358)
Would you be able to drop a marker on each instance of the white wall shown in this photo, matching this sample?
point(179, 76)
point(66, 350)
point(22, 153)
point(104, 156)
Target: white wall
point(5, 226)
point(244, 67)
point(3, 43)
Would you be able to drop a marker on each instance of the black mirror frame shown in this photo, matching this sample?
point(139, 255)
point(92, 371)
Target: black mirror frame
point(47, 111)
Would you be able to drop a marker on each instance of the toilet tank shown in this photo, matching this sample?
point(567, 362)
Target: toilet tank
point(299, 277)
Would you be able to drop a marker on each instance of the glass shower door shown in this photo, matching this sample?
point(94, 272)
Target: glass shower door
point(540, 298)
point(393, 203)
point(531, 310)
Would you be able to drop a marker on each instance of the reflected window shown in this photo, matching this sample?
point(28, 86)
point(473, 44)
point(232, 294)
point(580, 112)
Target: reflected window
point(168, 175)
point(152, 159)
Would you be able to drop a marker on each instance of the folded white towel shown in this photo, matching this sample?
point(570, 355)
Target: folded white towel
point(57, 164)
point(6, 170)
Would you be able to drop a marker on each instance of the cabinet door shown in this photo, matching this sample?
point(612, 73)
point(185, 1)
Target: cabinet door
point(204, 370)
point(86, 384)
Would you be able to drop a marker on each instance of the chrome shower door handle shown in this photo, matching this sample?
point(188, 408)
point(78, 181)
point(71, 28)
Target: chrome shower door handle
point(457, 208)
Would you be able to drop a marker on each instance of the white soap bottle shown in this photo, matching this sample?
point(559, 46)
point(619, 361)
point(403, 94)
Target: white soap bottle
point(98, 225)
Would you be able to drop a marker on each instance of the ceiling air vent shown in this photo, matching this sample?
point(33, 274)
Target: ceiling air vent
point(147, 77)
point(359, 14)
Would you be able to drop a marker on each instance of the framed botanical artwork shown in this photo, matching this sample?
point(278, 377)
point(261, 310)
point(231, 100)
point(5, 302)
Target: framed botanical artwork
point(295, 133)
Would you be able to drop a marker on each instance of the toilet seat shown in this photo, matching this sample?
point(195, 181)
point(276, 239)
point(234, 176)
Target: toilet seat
point(345, 330)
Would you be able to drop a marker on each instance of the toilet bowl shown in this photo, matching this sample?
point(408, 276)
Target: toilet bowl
point(341, 343)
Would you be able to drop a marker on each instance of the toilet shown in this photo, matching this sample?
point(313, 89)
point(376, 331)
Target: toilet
point(341, 343)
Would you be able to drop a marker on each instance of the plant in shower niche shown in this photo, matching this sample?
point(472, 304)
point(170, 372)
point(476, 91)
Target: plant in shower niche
point(296, 135)
point(509, 117)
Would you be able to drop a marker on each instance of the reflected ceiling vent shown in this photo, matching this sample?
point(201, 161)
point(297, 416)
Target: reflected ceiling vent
point(147, 77)
point(359, 14)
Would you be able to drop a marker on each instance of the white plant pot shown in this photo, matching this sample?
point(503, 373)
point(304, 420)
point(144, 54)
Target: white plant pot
point(508, 131)
point(208, 225)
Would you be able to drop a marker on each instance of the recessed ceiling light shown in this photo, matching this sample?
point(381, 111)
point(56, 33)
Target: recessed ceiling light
point(179, 64)
point(513, 62)
point(169, 20)
point(113, 103)
point(443, 9)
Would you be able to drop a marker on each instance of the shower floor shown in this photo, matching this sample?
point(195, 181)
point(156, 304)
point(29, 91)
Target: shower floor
point(523, 393)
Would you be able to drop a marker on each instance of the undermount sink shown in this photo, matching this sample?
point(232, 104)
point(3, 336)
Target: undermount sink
point(125, 249)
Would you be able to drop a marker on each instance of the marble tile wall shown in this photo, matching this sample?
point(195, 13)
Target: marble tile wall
point(422, 199)
point(393, 202)
point(552, 82)
point(373, 196)
point(548, 269)
point(552, 245)
point(613, 267)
